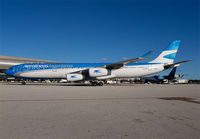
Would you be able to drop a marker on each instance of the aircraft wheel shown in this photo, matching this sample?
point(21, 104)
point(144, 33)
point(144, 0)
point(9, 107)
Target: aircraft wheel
point(94, 83)
point(23, 83)
point(100, 83)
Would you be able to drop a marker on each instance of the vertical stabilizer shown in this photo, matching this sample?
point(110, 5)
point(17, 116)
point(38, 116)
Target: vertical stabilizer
point(168, 54)
point(172, 74)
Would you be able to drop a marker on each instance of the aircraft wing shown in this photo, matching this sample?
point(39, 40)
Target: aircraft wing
point(117, 65)
point(120, 64)
point(175, 64)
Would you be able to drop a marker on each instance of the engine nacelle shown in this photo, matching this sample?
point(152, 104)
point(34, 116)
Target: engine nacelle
point(74, 77)
point(98, 72)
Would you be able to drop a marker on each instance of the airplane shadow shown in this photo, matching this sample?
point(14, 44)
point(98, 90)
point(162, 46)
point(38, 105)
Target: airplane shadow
point(44, 84)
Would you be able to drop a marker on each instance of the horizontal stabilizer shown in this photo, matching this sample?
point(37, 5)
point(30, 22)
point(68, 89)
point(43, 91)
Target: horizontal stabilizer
point(175, 64)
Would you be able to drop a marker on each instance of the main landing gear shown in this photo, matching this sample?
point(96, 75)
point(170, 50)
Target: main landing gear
point(97, 83)
point(23, 82)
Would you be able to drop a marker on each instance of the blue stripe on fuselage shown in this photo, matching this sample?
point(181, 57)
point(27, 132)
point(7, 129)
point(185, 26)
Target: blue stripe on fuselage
point(47, 66)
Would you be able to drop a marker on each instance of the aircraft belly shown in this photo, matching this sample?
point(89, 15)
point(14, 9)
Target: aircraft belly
point(128, 72)
point(40, 74)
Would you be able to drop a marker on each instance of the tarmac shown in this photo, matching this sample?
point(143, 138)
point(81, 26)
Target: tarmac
point(37, 111)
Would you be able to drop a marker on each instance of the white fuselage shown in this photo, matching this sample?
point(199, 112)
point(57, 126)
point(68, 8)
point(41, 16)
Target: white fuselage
point(123, 72)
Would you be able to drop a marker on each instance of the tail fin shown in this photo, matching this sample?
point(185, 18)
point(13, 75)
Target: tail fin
point(172, 73)
point(168, 54)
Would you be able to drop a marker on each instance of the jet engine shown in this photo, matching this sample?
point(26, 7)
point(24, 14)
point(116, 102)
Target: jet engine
point(98, 72)
point(74, 77)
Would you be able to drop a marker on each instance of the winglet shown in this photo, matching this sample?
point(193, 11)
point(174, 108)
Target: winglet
point(146, 55)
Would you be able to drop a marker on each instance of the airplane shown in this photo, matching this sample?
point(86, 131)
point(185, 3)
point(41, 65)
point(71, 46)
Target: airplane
point(97, 72)
point(160, 79)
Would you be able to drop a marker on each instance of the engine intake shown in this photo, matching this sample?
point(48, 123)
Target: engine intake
point(75, 77)
point(98, 72)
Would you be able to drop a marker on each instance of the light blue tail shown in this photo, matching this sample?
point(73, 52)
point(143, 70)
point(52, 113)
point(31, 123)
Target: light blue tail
point(168, 54)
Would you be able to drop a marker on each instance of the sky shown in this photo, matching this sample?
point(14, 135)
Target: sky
point(88, 30)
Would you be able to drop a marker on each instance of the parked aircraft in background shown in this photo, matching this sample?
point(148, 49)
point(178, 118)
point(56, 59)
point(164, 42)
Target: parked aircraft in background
point(96, 72)
point(161, 79)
